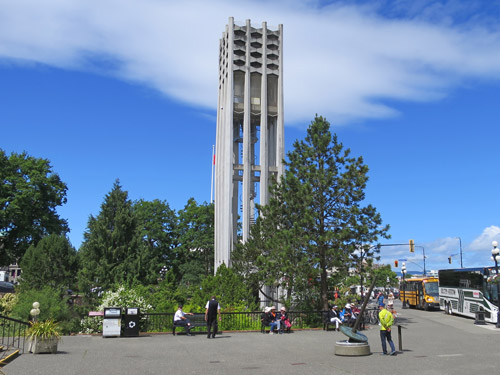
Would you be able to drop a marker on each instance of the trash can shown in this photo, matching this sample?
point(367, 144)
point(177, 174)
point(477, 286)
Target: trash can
point(480, 318)
point(131, 327)
point(112, 322)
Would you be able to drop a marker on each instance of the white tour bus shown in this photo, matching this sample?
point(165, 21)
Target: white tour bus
point(465, 291)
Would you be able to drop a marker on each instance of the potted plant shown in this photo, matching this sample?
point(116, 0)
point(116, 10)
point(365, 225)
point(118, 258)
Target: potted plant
point(44, 336)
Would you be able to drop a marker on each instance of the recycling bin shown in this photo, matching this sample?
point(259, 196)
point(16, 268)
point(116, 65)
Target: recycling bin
point(112, 322)
point(131, 327)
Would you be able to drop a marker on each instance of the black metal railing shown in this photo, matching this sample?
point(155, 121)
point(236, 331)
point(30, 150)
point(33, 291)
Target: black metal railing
point(13, 333)
point(238, 321)
point(235, 321)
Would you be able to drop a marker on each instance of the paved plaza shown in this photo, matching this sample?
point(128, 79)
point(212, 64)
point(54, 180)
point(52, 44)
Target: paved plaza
point(433, 343)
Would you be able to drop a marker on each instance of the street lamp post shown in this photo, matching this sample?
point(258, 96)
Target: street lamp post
point(496, 257)
point(461, 260)
point(403, 272)
point(423, 254)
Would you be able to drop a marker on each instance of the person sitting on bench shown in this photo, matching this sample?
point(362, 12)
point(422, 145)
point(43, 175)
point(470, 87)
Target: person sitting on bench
point(181, 320)
point(333, 316)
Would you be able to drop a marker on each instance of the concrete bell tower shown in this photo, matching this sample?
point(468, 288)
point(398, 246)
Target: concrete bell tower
point(250, 129)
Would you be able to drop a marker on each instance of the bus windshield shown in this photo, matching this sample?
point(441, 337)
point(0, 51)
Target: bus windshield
point(431, 288)
point(492, 295)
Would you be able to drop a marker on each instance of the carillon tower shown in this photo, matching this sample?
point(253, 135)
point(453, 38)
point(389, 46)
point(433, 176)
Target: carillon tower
point(250, 129)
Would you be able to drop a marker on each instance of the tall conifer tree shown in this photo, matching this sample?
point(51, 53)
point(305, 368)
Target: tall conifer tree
point(157, 224)
point(110, 251)
point(315, 221)
point(51, 262)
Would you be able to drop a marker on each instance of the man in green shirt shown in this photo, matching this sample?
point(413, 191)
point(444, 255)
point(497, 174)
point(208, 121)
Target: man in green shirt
point(386, 321)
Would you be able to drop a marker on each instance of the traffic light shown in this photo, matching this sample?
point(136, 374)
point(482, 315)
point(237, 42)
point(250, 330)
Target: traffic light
point(396, 263)
point(412, 246)
point(449, 260)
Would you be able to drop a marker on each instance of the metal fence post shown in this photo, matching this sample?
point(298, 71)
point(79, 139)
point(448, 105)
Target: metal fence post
point(400, 338)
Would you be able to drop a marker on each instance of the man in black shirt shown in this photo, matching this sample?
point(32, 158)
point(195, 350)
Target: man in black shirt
point(212, 309)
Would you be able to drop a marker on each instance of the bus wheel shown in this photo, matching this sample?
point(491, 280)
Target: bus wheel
point(426, 306)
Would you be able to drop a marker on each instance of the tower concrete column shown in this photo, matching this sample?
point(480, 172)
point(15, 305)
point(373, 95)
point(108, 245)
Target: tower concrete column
point(250, 113)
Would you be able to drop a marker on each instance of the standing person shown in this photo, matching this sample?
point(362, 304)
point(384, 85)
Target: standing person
point(212, 310)
point(390, 299)
point(380, 298)
point(334, 317)
point(390, 304)
point(386, 322)
point(181, 320)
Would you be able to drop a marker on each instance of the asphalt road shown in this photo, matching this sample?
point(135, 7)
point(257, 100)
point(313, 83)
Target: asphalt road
point(433, 343)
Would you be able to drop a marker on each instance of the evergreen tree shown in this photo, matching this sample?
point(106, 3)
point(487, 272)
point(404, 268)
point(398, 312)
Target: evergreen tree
point(157, 225)
point(196, 242)
point(315, 220)
point(110, 251)
point(52, 262)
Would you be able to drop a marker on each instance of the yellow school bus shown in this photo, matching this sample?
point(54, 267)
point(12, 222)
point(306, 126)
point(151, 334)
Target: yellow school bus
point(420, 292)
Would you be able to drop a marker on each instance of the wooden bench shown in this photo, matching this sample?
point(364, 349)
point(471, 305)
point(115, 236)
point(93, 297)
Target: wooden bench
point(196, 320)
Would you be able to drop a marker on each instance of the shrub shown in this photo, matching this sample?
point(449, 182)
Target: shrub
point(43, 330)
point(7, 303)
point(122, 297)
point(53, 305)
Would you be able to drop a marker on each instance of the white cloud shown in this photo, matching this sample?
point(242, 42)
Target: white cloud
point(483, 242)
point(340, 61)
point(474, 254)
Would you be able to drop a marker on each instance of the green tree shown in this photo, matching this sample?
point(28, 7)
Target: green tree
point(166, 296)
point(315, 220)
point(30, 192)
point(385, 273)
point(228, 287)
point(157, 225)
point(274, 255)
point(196, 239)
point(110, 251)
point(51, 262)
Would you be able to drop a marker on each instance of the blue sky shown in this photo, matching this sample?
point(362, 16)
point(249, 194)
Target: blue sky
point(128, 89)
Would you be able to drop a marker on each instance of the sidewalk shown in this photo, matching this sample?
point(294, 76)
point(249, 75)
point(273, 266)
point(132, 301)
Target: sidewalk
point(448, 344)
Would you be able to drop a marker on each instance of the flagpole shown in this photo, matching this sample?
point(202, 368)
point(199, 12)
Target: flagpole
point(212, 179)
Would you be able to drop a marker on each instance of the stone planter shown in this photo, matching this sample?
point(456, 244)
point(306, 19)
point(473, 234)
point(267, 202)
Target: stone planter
point(38, 346)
